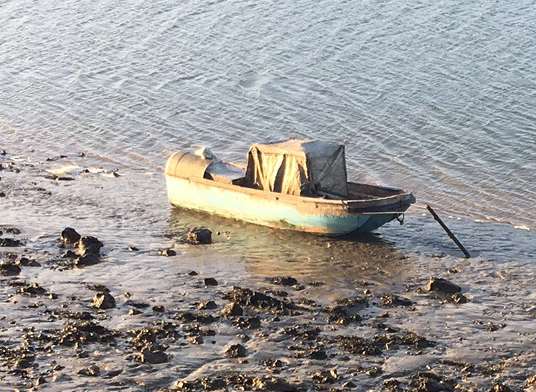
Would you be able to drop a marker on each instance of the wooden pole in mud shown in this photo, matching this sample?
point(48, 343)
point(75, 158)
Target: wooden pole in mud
point(451, 235)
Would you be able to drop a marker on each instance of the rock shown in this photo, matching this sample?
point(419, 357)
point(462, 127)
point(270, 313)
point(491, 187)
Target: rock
point(193, 273)
point(9, 242)
point(389, 300)
point(318, 354)
point(442, 286)
point(531, 381)
point(2, 194)
point(198, 339)
point(69, 236)
point(39, 381)
point(210, 282)
point(158, 308)
point(87, 260)
point(137, 305)
point(9, 269)
point(374, 371)
point(91, 371)
point(199, 236)
point(69, 255)
point(133, 311)
point(232, 309)
point(269, 383)
point(346, 310)
point(89, 245)
point(133, 248)
point(150, 354)
point(113, 373)
point(457, 298)
point(247, 297)
point(103, 300)
point(499, 387)
point(188, 317)
point(26, 262)
point(207, 305)
point(430, 382)
point(358, 345)
point(284, 281)
point(247, 323)
point(167, 252)
point(31, 289)
point(235, 351)
point(326, 376)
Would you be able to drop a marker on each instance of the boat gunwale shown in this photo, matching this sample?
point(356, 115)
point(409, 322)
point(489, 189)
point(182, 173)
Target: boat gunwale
point(294, 199)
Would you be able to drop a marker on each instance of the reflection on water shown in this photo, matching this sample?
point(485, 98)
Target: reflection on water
point(342, 262)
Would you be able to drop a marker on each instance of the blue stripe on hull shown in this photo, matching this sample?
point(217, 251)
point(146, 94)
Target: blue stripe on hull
point(273, 213)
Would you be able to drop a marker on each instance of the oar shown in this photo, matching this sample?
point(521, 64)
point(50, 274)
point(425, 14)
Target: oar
point(451, 235)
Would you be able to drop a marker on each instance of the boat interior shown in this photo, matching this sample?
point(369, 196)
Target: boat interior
point(229, 173)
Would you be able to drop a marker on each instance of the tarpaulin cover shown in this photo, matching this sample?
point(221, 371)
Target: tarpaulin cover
point(298, 167)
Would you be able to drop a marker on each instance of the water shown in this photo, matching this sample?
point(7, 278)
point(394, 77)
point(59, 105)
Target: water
point(438, 98)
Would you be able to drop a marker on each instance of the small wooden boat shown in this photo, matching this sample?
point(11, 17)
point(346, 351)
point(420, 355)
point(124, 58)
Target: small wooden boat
point(297, 185)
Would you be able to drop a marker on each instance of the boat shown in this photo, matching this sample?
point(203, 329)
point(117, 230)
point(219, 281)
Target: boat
point(294, 184)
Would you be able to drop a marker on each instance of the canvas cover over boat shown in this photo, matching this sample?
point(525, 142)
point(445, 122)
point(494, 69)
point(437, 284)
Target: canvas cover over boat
point(298, 167)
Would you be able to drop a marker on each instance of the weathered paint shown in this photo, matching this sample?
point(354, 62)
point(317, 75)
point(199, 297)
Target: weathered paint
point(324, 218)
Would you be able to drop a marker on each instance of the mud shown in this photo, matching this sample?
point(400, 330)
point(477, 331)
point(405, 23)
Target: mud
point(359, 314)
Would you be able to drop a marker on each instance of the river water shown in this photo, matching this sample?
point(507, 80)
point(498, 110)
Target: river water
point(438, 98)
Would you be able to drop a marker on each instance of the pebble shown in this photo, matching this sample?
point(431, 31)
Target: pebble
point(103, 300)
point(210, 282)
point(236, 351)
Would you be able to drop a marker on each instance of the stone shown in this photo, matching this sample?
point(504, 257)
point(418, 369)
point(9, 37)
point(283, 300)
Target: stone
point(500, 387)
point(90, 371)
point(26, 262)
point(247, 323)
point(210, 282)
point(87, 260)
point(458, 298)
point(199, 236)
point(103, 300)
point(152, 355)
point(9, 242)
point(69, 255)
point(284, 281)
point(69, 236)
point(442, 286)
point(198, 339)
point(236, 351)
point(31, 289)
point(317, 354)
point(89, 245)
point(389, 300)
point(232, 309)
point(207, 305)
point(9, 269)
point(167, 252)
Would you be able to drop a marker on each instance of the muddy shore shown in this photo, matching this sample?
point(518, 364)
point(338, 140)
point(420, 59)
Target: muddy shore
point(94, 307)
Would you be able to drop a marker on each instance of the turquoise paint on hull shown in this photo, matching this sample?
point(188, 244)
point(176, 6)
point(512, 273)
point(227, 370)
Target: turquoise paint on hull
point(268, 212)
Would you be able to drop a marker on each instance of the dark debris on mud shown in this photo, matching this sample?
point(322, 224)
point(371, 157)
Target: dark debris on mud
point(315, 339)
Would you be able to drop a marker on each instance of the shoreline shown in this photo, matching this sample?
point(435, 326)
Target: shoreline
point(331, 315)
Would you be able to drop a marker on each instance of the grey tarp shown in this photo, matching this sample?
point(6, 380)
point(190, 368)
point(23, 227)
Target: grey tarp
point(298, 167)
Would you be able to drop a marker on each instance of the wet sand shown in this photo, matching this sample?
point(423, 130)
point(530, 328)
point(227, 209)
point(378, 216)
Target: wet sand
point(257, 309)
